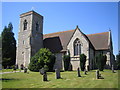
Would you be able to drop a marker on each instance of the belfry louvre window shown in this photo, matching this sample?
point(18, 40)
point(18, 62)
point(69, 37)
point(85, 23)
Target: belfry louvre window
point(77, 47)
point(37, 26)
point(25, 25)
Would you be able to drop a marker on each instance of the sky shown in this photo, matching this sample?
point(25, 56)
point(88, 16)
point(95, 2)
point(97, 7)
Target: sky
point(91, 17)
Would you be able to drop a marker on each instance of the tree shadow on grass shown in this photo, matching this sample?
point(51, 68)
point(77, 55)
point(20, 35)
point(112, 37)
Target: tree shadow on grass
point(7, 79)
point(47, 81)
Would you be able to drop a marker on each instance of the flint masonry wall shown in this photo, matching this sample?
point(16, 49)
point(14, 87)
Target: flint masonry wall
point(24, 48)
point(29, 40)
point(84, 49)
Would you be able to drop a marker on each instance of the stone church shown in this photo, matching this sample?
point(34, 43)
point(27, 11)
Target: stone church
point(31, 39)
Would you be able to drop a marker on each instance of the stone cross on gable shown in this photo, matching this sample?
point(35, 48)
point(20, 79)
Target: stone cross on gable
point(32, 8)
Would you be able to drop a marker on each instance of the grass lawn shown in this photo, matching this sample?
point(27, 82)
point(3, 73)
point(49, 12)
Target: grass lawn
point(69, 80)
point(8, 70)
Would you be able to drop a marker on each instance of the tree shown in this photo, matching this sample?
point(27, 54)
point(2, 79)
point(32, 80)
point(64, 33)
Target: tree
point(8, 46)
point(118, 61)
point(101, 61)
point(66, 59)
point(43, 58)
point(82, 61)
point(51, 63)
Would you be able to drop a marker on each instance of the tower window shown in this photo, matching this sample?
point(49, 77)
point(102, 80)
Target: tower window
point(37, 26)
point(77, 47)
point(25, 25)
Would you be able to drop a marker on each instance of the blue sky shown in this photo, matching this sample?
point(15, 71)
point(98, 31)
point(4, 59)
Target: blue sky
point(91, 17)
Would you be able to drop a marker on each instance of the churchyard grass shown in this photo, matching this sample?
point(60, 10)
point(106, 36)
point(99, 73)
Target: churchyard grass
point(8, 70)
point(68, 79)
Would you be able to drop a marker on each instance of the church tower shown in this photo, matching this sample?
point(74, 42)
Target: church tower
point(30, 37)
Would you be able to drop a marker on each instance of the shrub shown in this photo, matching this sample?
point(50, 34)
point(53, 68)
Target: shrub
point(46, 68)
point(52, 62)
point(82, 61)
point(66, 59)
point(41, 59)
point(101, 61)
point(118, 61)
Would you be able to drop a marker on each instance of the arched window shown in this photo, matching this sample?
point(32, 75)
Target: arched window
point(77, 47)
point(25, 25)
point(37, 26)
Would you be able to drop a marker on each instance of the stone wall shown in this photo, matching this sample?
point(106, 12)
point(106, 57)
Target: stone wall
point(29, 40)
point(84, 49)
point(24, 49)
point(59, 61)
point(91, 63)
point(107, 53)
point(36, 40)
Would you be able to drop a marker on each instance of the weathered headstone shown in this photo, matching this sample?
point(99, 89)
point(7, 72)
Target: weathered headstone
point(85, 72)
point(78, 70)
point(97, 74)
point(42, 72)
point(25, 70)
point(113, 69)
point(57, 71)
point(45, 76)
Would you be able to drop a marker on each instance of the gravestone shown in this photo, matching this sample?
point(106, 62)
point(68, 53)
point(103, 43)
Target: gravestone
point(57, 71)
point(25, 70)
point(113, 69)
point(78, 70)
point(45, 76)
point(97, 74)
point(85, 72)
point(42, 72)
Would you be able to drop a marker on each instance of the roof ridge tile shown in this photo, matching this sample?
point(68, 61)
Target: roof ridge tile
point(96, 33)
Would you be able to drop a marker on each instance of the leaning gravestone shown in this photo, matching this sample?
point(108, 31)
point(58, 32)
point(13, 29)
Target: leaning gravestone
point(57, 71)
point(97, 74)
point(42, 72)
point(78, 70)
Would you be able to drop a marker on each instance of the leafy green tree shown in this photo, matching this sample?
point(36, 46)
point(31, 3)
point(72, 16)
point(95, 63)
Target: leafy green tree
point(43, 58)
point(52, 62)
point(66, 59)
point(118, 61)
point(82, 61)
point(101, 61)
point(8, 46)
